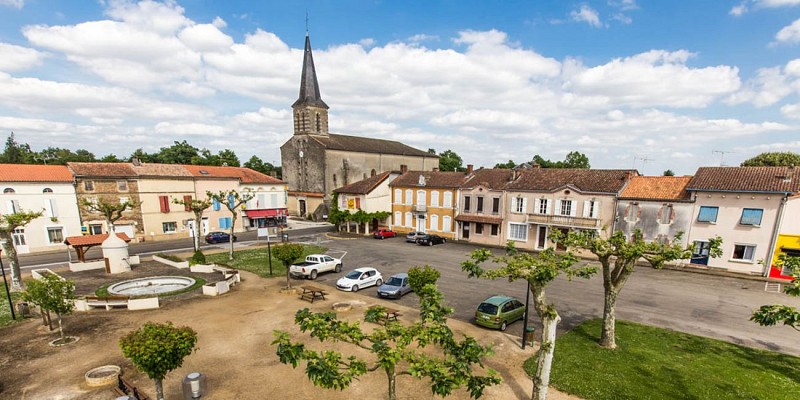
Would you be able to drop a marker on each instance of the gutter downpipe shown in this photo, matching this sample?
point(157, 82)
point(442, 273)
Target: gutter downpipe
point(774, 239)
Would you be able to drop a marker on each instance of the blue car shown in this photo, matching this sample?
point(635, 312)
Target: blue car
point(219, 237)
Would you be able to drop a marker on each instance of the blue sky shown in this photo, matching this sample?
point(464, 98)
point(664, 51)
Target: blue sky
point(619, 80)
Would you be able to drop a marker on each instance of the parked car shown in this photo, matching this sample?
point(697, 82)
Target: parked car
point(412, 236)
point(314, 264)
point(430, 240)
point(219, 237)
point(360, 278)
point(395, 287)
point(498, 311)
point(384, 233)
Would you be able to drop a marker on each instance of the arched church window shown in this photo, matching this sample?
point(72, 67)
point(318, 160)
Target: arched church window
point(319, 123)
point(372, 173)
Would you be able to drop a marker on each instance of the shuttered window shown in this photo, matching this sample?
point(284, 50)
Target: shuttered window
point(187, 203)
point(163, 201)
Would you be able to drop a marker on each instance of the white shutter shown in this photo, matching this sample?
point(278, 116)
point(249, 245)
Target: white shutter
point(587, 205)
point(596, 209)
point(548, 203)
point(558, 207)
point(48, 210)
point(10, 207)
point(573, 211)
point(537, 204)
point(524, 205)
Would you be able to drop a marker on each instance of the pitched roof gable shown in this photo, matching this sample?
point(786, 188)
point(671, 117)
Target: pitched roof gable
point(34, 173)
point(364, 186)
point(369, 145)
point(102, 169)
point(746, 179)
point(433, 179)
point(584, 180)
point(657, 188)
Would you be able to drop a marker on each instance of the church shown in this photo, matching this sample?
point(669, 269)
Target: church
point(315, 161)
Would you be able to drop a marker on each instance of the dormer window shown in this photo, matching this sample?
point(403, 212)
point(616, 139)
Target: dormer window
point(422, 180)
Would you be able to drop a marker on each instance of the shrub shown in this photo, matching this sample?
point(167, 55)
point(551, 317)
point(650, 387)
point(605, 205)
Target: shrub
point(197, 258)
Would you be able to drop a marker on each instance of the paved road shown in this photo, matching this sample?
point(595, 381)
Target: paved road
point(705, 305)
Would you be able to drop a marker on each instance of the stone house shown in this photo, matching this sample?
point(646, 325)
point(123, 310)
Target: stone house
point(482, 205)
point(426, 201)
point(658, 206)
point(371, 195)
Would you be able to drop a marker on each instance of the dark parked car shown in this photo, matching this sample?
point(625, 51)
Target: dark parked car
point(395, 287)
point(430, 240)
point(499, 311)
point(412, 236)
point(383, 233)
point(219, 237)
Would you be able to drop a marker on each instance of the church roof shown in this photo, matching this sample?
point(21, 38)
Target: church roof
point(309, 86)
point(361, 144)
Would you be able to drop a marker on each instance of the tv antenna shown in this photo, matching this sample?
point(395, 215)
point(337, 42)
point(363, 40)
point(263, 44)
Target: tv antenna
point(721, 156)
point(644, 161)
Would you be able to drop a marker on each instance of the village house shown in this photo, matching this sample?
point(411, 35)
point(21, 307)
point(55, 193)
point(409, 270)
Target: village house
point(658, 206)
point(370, 195)
point(426, 201)
point(482, 206)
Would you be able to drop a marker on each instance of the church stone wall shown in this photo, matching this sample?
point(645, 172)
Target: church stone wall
point(306, 173)
point(349, 167)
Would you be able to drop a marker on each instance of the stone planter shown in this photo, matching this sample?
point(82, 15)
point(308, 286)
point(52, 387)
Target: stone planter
point(102, 376)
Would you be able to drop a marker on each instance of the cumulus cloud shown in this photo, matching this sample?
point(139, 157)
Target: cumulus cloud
point(13, 3)
point(15, 58)
point(586, 14)
point(738, 10)
point(790, 33)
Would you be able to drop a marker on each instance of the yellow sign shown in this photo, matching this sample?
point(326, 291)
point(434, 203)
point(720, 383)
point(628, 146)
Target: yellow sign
point(351, 204)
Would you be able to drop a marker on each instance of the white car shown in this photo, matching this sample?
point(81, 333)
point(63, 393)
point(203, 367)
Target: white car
point(360, 278)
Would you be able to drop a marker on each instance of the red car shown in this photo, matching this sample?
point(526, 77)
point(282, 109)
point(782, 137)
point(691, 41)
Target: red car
point(384, 233)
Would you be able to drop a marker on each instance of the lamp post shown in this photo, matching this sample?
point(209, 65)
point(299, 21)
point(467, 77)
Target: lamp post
point(525, 319)
point(5, 283)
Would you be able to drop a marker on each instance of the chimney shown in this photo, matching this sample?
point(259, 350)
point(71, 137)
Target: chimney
point(469, 169)
point(435, 169)
point(513, 174)
point(403, 168)
point(628, 175)
point(535, 165)
point(135, 161)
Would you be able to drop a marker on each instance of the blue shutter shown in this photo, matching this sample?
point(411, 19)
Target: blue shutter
point(231, 200)
point(216, 204)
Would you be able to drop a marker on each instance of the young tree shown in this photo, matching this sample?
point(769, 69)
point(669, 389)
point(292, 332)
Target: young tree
point(287, 254)
point(397, 349)
point(618, 257)
point(52, 293)
point(450, 161)
point(8, 224)
point(233, 201)
point(770, 315)
point(668, 172)
point(197, 207)
point(539, 271)
point(111, 211)
point(773, 159)
point(15, 153)
point(156, 349)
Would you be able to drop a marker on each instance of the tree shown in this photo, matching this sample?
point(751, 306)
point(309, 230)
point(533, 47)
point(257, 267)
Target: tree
point(233, 201)
point(539, 271)
point(508, 165)
point(229, 158)
point(770, 315)
point(8, 224)
point(450, 161)
point(111, 211)
point(574, 159)
point(397, 349)
point(287, 254)
point(110, 158)
point(14, 153)
point(52, 293)
point(618, 256)
point(774, 159)
point(256, 164)
point(140, 155)
point(156, 349)
point(197, 207)
point(669, 173)
point(178, 153)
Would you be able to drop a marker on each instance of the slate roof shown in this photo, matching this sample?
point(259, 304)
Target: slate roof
point(34, 173)
point(584, 180)
point(368, 145)
point(115, 170)
point(309, 86)
point(364, 186)
point(746, 179)
point(246, 175)
point(494, 178)
point(657, 188)
point(433, 179)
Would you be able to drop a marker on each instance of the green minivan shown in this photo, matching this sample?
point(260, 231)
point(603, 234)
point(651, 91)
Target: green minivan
point(499, 311)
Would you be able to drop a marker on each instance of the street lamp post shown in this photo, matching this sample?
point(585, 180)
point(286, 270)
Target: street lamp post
point(5, 283)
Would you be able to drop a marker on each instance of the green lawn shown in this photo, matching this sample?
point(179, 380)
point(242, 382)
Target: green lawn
point(5, 312)
point(655, 363)
point(255, 260)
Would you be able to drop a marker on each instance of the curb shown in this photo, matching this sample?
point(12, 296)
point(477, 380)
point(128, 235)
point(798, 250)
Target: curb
point(327, 235)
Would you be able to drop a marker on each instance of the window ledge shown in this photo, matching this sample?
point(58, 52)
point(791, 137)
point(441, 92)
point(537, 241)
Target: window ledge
point(707, 222)
point(751, 225)
point(734, 260)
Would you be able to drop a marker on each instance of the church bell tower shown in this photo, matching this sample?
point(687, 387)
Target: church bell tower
point(309, 111)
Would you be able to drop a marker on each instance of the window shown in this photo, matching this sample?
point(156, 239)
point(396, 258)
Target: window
point(467, 201)
point(169, 227)
point(434, 222)
point(707, 214)
point(19, 237)
point(480, 204)
point(519, 204)
point(163, 201)
point(398, 196)
point(543, 207)
point(743, 252)
point(408, 220)
point(479, 229)
point(122, 186)
point(751, 216)
point(273, 201)
point(187, 203)
point(421, 197)
point(632, 213)
point(335, 185)
point(225, 223)
point(215, 204)
point(398, 218)
point(47, 190)
point(591, 208)
point(446, 223)
point(495, 229)
point(435, 198)
point(665, 214)
point(319, 123)
point(495, 205)
point(88, 186)
point(55, 234)
point(95, 229)
point(448, 200)
point(8, 191)
point(409, 197)
point(566, 208)
point(518, 231)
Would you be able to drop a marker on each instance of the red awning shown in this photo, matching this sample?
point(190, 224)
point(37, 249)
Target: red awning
point(273, 212)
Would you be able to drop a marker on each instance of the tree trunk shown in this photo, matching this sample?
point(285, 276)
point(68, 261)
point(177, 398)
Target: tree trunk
point(608, 337)
point(288, 278)
point(60, 327)
point(13, 260)
point(230, 240)
point(392, 376)
point(544, 361)
point(159, 390)
point(198, 230)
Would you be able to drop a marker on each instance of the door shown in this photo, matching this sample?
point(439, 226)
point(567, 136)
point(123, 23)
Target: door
point(205, 225)
point(700, 253)
point(421, 223)
point(190, 227)
point(126, 229)
point(302, 208)
point(541, 238)
point(465, 230)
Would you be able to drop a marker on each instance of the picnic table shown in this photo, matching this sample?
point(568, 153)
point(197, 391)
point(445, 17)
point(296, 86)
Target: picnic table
point(312, 293)
point(388, 314)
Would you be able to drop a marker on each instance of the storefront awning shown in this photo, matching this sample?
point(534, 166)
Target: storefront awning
point(272, 212)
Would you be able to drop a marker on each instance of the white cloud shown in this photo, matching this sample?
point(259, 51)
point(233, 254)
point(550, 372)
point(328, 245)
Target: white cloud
point(367, 42)
point(13, 3)
point(791, 111)
point(588, 15)
point(15, 58)
point(205, 38)
point(789, 34)
point(624, 5)
point(421, 37)
point(738, 10)
point(777, 3)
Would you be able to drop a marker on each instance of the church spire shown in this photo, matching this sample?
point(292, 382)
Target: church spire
point(310, 112)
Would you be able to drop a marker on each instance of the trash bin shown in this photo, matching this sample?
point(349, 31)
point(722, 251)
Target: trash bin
point(529, 335)
point(285, 237)
point(23, 309)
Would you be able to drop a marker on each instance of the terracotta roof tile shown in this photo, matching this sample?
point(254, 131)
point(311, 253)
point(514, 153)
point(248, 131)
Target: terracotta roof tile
point(657, 188)
point(364, 186)
point(585, 180)
point(746, 179)
point(495, 178)
point(161, 170)
point(369, 145)
point(115, 170)
point(433, 179)
point(92, 240)
point(34, 173)
point(246, 175)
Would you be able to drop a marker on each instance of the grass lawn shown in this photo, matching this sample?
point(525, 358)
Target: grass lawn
point(5, 312)
point(655, 363)
point(255, 260)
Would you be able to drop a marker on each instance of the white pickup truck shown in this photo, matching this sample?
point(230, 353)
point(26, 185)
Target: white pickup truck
point(315, 264)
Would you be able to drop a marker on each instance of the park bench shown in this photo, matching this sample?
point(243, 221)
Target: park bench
point(311, 293)
point(108, 302)
point(125, 388)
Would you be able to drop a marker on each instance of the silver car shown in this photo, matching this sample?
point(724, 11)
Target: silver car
point(413, 236)
point(395, 287)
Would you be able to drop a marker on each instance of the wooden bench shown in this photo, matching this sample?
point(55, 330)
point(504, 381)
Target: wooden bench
point(311, 293)
point(125, 388)
point(108, 302)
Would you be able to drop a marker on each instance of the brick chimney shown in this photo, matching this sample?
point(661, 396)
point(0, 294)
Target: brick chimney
point(403, 168)
point(469, 168)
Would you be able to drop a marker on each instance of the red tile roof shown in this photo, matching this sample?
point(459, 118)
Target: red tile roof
point(246, 175)
point(657, 188)
point(115, 170)
point(364, 186)
point(34, 173)
point(746, 179)
point(92, 240)
point(433, 179)
point(585, 180)
point(495, 178)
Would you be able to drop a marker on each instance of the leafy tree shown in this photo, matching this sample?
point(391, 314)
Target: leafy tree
point(418, 277)
point(770, 315)
point(197, 207)
point(111, 211)
point(397, 350)
point(178, 153)
point(256, 164)
point(140, 155)
point(774, 159)
point(59, 156)
point(669, 173)
point(574, 159)
point(233, 201)
point(618, 257)
point(52, 293)
point(156, 349)
point(431, 151)
point(8, 223)
point(287, 254)
point(450, 161)
point(229, 158)
point(111, 158)
point(15, 153)
point(508, 165)
point(539, 271)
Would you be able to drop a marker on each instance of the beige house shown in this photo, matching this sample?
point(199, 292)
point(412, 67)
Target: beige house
point(371, 195)
point(657, 206)
point(426, 201)
point(482, 206)
point(160, 185)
